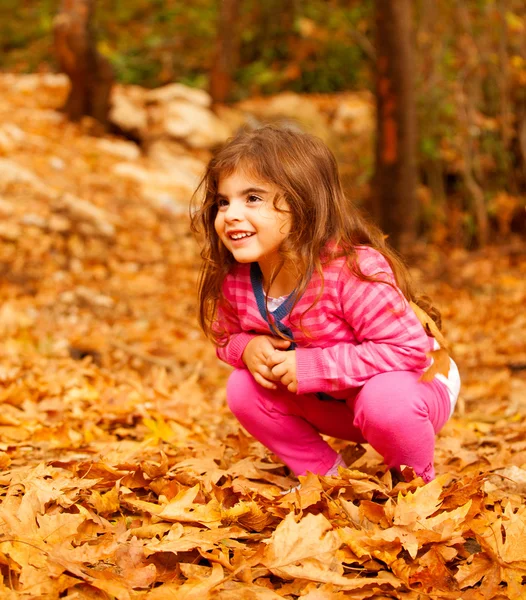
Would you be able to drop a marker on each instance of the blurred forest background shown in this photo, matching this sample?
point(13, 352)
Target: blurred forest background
point(466, 66)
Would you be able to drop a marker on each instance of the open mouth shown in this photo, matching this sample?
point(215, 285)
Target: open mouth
point(239, 235)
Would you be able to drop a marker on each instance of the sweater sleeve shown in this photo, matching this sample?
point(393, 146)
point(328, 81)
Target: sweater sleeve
point(389, 335)
point(232, 351)
point(233, 340)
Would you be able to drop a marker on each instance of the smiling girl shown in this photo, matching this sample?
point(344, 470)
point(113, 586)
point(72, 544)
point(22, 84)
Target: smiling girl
point(310, 306)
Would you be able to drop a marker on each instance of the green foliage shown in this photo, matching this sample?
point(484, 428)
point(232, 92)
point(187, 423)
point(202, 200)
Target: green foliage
point(309, 49)
point(337, 68)
point(152, 42)
point(24, 25)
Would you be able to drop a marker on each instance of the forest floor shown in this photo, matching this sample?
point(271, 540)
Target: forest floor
point(123, 473)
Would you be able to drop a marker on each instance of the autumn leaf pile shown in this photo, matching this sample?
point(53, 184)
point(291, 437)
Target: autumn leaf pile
point(123, 474)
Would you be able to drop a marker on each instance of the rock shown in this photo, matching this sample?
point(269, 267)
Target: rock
point(131, 171)
point(83, 212)
point(12, 173)
point(119, 148)
point(42, 89)
point(175, 204)
point(292, 110)
point(11, 136)
point(174, 111)
point(127, 109)
point(171, 156)
point(178, 91)
point(199, 127)
point(165, 189)
point(233, 118)
point(37, 82)
point(355, 115)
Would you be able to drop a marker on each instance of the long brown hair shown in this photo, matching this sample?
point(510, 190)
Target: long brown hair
point(325, 225)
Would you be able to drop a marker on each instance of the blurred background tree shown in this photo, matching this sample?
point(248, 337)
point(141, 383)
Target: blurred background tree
point(395, 178)
point(469, 73)
point(226, 54)
point(90, 74)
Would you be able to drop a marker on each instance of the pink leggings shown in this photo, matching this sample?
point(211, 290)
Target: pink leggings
point(394, 412)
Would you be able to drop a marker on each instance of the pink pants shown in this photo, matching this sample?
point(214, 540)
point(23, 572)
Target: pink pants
point(394, 412)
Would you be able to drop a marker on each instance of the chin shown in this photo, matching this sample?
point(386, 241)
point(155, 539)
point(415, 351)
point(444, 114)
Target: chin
point(245, 259)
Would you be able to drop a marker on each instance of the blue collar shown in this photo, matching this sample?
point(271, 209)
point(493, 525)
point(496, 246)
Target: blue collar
point(256, 278)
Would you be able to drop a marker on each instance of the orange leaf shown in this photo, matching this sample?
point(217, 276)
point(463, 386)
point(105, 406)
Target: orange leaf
point(440, 365)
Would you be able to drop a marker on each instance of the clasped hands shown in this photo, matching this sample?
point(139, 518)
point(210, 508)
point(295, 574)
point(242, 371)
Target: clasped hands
point(267, 359)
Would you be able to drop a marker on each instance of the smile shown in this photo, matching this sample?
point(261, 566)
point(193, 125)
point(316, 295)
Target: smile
point(239, 235)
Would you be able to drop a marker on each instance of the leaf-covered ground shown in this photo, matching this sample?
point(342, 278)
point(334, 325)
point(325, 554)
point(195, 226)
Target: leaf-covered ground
point(123, 474)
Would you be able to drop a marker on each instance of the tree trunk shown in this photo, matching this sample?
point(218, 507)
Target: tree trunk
point(91, 74)
point(394, 183)
point(226, 53)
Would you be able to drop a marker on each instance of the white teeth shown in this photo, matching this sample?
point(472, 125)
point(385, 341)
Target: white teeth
point(239, 236)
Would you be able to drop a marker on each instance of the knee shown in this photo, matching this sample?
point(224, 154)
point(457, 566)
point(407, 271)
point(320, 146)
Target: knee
point(388, 400)
point(240, 387)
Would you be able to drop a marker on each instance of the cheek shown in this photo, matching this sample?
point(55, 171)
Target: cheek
point(219, 224)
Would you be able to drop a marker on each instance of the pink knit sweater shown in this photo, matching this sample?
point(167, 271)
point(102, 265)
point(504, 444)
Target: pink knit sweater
point(356, 330)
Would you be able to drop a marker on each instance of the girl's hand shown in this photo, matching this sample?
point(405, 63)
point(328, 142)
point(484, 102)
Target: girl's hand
point(256, 354)
point(282, 366)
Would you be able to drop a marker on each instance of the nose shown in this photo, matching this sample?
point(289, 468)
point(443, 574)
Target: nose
point(233, 212)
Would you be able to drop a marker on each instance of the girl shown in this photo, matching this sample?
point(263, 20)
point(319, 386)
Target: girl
point(308, 304)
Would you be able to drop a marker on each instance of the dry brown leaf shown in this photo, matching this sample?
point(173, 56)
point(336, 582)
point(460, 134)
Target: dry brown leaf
point(471, 572)
point(307, 494)
point(243, 591)
point(193, 589)
point(184, 509)
point(413, 508)
point(294, 541)
point(506, 537)
point(432, 574)
point(429, 325)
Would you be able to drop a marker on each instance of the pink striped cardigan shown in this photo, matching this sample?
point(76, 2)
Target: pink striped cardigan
point(356, 330)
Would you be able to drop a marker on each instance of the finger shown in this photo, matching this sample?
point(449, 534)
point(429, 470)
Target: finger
point(293, 387)
point(279, 371)
point(266, 373)
point(279, 342)
point(276, 358)
point(269, 385)
point(286, 379)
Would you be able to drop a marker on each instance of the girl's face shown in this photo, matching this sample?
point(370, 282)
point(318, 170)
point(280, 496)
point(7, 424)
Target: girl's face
point(247, 222)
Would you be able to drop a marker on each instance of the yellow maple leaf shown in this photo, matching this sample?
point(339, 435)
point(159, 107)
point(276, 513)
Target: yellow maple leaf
point(184, 509)
point(294, 541)
point(195, 588)
point(160, 430)
point(412, 509)
point(308, 550)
